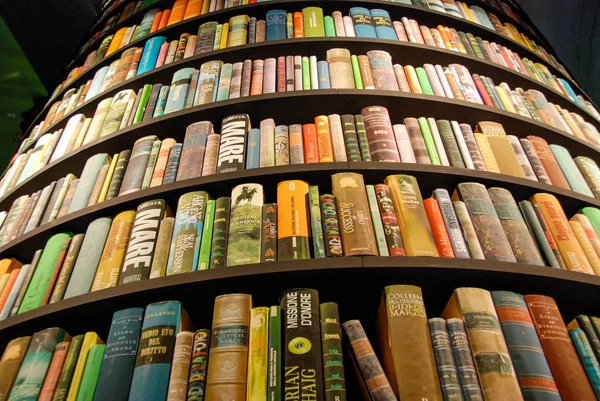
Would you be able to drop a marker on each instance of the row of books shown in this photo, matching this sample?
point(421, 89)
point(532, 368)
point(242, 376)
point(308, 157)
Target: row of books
point(216, 81)
point(278, 25)
point(495, 346)
point(332, 138)
point(390, 219)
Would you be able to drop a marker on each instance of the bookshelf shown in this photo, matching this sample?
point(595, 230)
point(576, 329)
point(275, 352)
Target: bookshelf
point(354, 282)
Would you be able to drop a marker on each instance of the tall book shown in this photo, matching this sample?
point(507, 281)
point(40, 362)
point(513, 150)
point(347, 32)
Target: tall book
point(87, 181)
point(292, 220)
point(302, 344)
point(117, 177)
point(438, 228)
point(496, 372)
point(233, 143)
point(591, 173)
point(587, 357)
point(187, 233)
point(180, 366)
point(258, 354)
point(11, 361)
point(245, 225)
point(220, 235)
point(570, 170)
point(546, 157)
point(207, 231)
point(90, 373)
point(333, 360)
point(136, 166)
point(142, 243)
point(66, 374)
point(193, 150)
point(198, 365)
point(461, 348)
point(459, 245)
point(340, 69)
point(377, 221)
point(228, 362)
point(274, 372)
point(163, 245)
point(331, 226)
point(89, 340)
point(547, 248)
point(314, 25)
point(356, 225)
point(380, 134)
point(389, 219)
point(416, 233)
point(162, 322)
point(446, 366)
point(316, 222)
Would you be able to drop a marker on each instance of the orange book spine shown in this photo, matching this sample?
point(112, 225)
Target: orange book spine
point(438, 228)
point(177, 12)
point(324, 139)
point(116, 42)
point(448, 40)
point(164, 19)
point(54, 371)
point(193, 9)
point(311, 145)
point(298, 25)
point(8, 287)
point(156, 21)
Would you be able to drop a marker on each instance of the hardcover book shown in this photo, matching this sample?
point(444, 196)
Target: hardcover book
point(442, 349)
point(198, 365)
point(292, 220)
point(333, 361)
point(10, 363)
point(233, 143)
point(451, 223)
point(163, 245)
point(136, 165)
point(380, 134)
point(268, 247)
point(180, 366)
point(258, 354)
point(193, 150)
point(245, 225)
point(463, 356)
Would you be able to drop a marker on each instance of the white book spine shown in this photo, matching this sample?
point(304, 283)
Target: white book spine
point(337, 138)
point(407, 155)
point(462, 145)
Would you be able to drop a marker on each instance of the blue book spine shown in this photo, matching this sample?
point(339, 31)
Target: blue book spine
point(172, 164)
point(14, 292)
point(179, 89)
point(253, 150)
point(224, 82)
point(363, 23)
point(323, 75)
point(162, 322)
point(118, 363)
point(97, 83)
point(588, 360)
point(150, 54)
point(570, 91)
point(161, 102)
point(276, 25)
point(529, 361)
point(384, 27)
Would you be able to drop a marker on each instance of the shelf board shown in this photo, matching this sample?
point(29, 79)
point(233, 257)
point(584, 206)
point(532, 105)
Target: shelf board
point(429, 178)
point(355, 283)
point(314, 103)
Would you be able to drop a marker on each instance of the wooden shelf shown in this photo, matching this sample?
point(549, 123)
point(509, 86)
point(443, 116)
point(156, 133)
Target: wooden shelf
point(314, 103)
point(356, 283)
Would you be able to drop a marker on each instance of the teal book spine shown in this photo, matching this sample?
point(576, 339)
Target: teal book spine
point(274, 371)
point(570, 170)
point(86, 265)
point(87, 181)
point(383, 24)
point(323, 75)
point(363, 23)
point(316, 222)
point(306, 74)
point(424, 81)
point(429, 142)
point(32, 372)
point(89, 379)
point(224, 82)
point(585, 324)
point(150, 54)
point(531, 366)
point(180, 85)
point(161, 102)
point(588, 360)
point(118, 363)
point(172, 164)
point(207, 231)
point(276, 25)
point(162, 323)
point(377, 222)
point(253, 149)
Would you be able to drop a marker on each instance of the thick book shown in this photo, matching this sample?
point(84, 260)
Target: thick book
point(382, 70)
point(408, 358)
point(485, 220)
point(591, 173)
point(417, 141)
point(496, 372)
point(380, 134)
point(87, 181)
point(450, 144)
point(187, 233)
point(11, 361)
point(198, 365)
point(416, 233)
point(551, 166)
point(531, 366)
point(302, 344)
point(333, 360)
point(161, 162)
point(356, 224)
point(363, 23)
point(293, 231)
point(312, 18)
point(136, 165)
point(172, 164)
point(446, 366)
point(258, 354)
point(233, 143)
point(228, 362)
point(180, 366)
point(162, 322)
point(340, 69)
point(180, 85)
point(245, 225)
point(276, 25)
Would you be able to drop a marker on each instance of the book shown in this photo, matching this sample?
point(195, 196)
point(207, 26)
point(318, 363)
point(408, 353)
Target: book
point(587, 357)
point(66, 375)
point(161, 162)
point(228, 362)
point(572, 174)
point(539, 232)
point(442, 349)
point(282, 146)
point(258, 354)
point(172, 164)
point(218, 252)
point(224, 82)
point(88, 179)
point(417, 141)
point(163, 321)
point(350, 138)
point(150, 54)
point(380, 134)
point(324, 140)
point(356, 225)
point(487, 155)
point(493, 241)
point(415, 231)
point(151, 164)
point(180, 366)
point(207, 88)
point(90, 373)
point(451, 145)
point(245, 225)
point(193, 150)
point(549, 163)
point(331, 228)
point(274, 367)
point(163, 245)
point(12, 295)
point(316, 223)
point(459, 245)
point(179, 88)
point(187, 233)
point(408, 358)
point(302, 342)
point(494, 366)
point(207, 231)
point(340, 69)
point(591, 173)
point(136, 165)
point(117, 176)
point(383, 24)
point(12, 358)
point(333, 361)
point(267, 143)
point(463, 356)
point(522, 157)
point(268, 247)
point(389, 220)
point(435, 156)
point(292, 220)
point(238, 30)
point(253, 149)
point(198, 365)
point(313, 24)
point(438, 228)
point(233, 143)
point(377, 221)
point(364, 26)
point(276, 25)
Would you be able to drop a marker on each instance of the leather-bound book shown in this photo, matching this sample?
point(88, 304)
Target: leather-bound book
point(544, 153)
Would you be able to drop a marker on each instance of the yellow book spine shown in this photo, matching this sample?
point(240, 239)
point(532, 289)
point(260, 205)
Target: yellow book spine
point(106, 185)
point(256, 386)
point(244, 2)
point(205, 7)
point(468, 12)
point(107, 274)
point(324, 139)
point(505, 100)
point(486, 153)
point(90, 339)
point(586, 245)
point(238, 30)
point(224, 34)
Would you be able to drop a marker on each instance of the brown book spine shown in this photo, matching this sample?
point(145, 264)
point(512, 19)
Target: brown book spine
point(180, 367)
point(365, 72)
point(569, 375)
point(416, 141)
point(380, 134)
point(544, 153)
point(212, 154)
point(281, 82)
point(535, 162)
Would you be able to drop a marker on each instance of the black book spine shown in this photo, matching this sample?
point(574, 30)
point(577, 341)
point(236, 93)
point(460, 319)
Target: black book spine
point(232, 150)
point(268, 251)
point(218, 251)
point(446, 367)
point(149, 112)
point(333, 360)
point(350, 138)
point(463, 356)
point(363, 142)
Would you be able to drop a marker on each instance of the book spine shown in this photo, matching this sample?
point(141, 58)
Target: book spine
point(457, 240)
point(588, 360)
point(218, 252)
point(90, 373)
point(282, 146)
point(337, 138)
point(333, 361)
point(296, 144)
point(67, 269)
point(89, 340)
point(207, 235)
point(292, 221)
point(274, 374)
point(377, 222)
point(538, 232)
point(172, 164)
point(268, 252)
point(380, 134)
point(325, 144)
point(316, 223)
point(363, 142)
point(180, 367)
point(463, 356)
point(258, 354)
point(212, 152)
point(350, 138)
point(163, 245)
point(245, 225)
point(198, 366)
point(446, 367)
point(331, 227)
point(438, 228)
point(549, 238)
point(267, 143)
point(54, 370)
point(233, 143)
point(310, 143)
point(390, 221)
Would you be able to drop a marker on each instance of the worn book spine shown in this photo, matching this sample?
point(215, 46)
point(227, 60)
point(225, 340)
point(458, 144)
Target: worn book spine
point(316, 223)
point(212, 154)
point(245, 225)
point(389, 220)
point(538, 233)
point(333, 361)
point(356, 225)
point(591, 173)
point(549, 237)
point(163, 246)
point(136, 167)
point(438, 228)
point(180, 367)
point(325, 144)
point(23, 290)
point(207, 234)
point(12, 357)
point(586, 245)
point(117, 177)
point(161, 162)
point(274, 371)
point(451, 223)
point(218, 252)
point(444, 358)
point(304, 335)
point(292, 217)
point(198, 366)
point(233, 144)
point(282, 146)
point(522, 157)
point(66, 269)
point(548, 161)
point(461, 349)
point(587, 357)
point(337, 137)
point(380, 134)
point(350, 138)
point(331, 227)
point(268, 247)
point(450, 143)
point(66, 374)
point(296, 145)
point(193, 150)
point(53, 374)
point(417, 141)
point(474, 152)
point(363, 142)
point(267, 143)
point(258, 354)
point(377, 221)
point(589, 231)
point(227, 365)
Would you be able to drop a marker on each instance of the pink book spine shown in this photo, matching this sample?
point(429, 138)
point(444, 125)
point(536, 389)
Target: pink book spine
point(162, 55)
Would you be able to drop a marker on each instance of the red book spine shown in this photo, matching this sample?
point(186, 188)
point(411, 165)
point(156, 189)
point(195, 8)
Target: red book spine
point(298, 25)
point(438, 228)
point(487, 100)
point(281, 83)
point(54, 371)
point(156, 22)
point(311, 145)
point(569, 375)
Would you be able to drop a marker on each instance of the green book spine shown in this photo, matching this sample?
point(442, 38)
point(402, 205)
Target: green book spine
point(141, 109)
point(217, 41)
point(218, 251)
point(34, 263)
point(268, 251)
point(244, 225)
point(356, 71)
point(538, 232)
point(429, 143)
point(377, 223)
point(274, 369)
point(361, 133)
point(306, 74)
point(316, 222)
point(424, 81)
point(588, 360)
point(329, 27)
point(91, 373)
point(64, 381)
point(314, 25)
point(350, 138)
point(207, 233)
point(570, 170)
point(333, 361)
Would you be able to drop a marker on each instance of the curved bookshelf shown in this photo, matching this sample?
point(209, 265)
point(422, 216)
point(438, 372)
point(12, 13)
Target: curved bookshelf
point(396, 10)
point(314, 103)
point(334, 278)
point(429, 177)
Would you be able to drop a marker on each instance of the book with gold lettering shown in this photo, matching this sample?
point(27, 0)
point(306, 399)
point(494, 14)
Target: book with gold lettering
point(501, 148)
